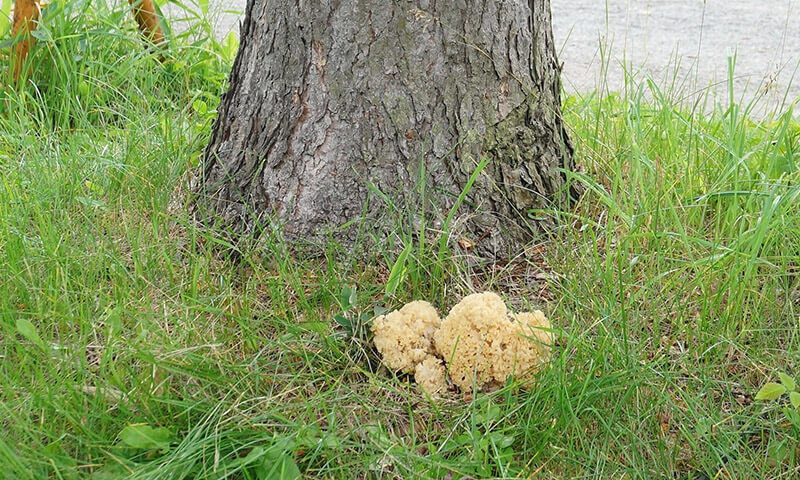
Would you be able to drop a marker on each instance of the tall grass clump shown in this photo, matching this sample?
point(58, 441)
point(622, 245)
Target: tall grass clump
point(679, 272)
point(94, 145)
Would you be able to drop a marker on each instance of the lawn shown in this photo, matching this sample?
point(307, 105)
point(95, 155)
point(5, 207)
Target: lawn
point(131, 347)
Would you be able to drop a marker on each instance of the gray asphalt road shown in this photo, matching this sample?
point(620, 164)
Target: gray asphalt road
point(683, 45)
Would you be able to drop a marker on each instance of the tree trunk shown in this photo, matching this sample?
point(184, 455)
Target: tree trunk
point(332, 102)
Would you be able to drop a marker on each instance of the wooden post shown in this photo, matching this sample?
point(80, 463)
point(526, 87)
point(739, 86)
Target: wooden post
point(145, 13)
point(26, 13)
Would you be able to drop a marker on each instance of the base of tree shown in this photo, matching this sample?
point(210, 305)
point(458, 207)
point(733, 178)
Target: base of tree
point(369, 114)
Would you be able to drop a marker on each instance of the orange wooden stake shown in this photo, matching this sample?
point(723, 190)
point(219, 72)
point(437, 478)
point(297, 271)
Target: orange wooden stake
point(26, 12)
point(145, 14)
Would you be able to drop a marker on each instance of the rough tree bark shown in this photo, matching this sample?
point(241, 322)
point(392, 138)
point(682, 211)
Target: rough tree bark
point(333, 100)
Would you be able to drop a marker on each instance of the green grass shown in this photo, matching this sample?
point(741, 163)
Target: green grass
point(673, 285)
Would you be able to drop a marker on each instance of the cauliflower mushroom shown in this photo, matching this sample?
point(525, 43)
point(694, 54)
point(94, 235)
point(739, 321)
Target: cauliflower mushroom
point(430, 375)
point(481, 340)
point(404, 337)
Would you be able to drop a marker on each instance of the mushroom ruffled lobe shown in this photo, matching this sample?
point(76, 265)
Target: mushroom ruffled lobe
point(483, 343)
point(404, 337)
